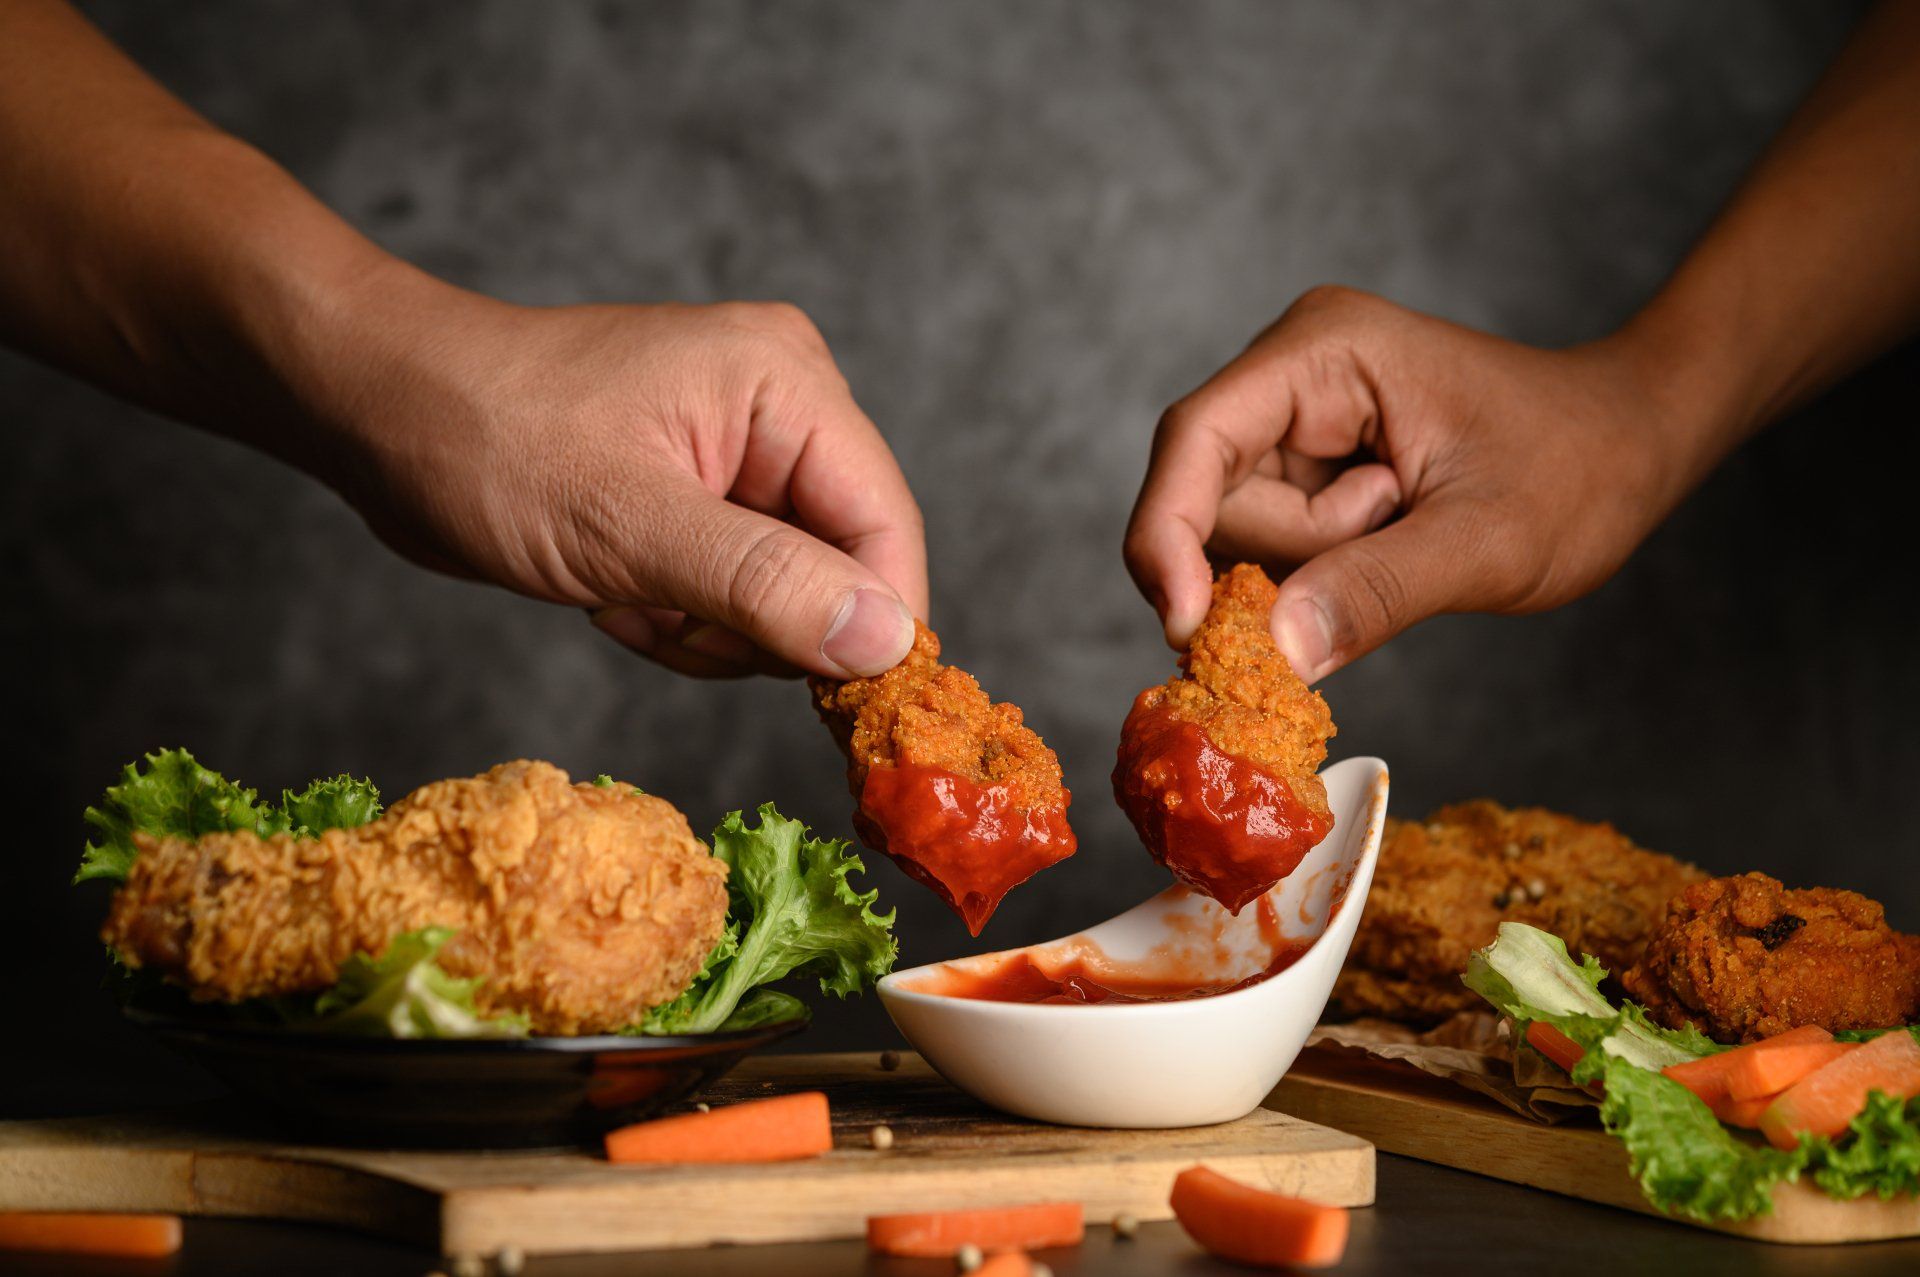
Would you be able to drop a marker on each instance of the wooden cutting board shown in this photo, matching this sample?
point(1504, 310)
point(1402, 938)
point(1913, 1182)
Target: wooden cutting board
point(1402, 1110)
point(949, 1152)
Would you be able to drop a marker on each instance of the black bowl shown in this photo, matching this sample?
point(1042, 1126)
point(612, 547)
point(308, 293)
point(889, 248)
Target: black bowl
point(456, 1093)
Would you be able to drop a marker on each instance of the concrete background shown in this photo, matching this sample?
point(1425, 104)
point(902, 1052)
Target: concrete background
point(1024, 228)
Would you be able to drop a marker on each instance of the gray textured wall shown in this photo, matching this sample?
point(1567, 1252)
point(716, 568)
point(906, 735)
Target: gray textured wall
point(1024, 227)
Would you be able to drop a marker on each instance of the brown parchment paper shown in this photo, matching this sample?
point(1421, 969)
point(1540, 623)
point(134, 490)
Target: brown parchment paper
point(1474, 1050)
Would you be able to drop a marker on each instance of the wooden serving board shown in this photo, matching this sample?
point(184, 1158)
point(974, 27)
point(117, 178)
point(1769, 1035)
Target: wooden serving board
point(1402, 1110)
point(948, 1153)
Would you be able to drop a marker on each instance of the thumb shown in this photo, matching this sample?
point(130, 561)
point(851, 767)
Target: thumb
point(789, 593)
point(1343, 603)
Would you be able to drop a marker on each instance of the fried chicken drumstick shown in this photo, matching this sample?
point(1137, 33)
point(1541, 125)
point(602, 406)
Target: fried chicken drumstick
point(580, 906)
point(1745, 958)
point(1217, 766)
point(954, 787)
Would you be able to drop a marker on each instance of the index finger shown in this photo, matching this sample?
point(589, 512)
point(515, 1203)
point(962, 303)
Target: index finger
point(1205, 446)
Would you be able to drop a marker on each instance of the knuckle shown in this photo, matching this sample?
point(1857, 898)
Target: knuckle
point(1377, 600)
point(767, 576)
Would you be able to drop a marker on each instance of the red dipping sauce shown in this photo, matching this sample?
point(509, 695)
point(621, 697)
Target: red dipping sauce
point(1224, 825)
point(968, 842)
point(1079, 977)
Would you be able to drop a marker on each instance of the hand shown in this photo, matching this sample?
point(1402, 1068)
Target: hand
point(697, 476)
point(1403, 467)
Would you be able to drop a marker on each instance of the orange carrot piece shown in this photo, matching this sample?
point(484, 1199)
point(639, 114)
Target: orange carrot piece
point(1743, 1113)
point(1769, 1069)
point(1253, 1226)
point(1006, 1263)
point(1706, 1077)
point(933, 1234)
point(1554, 1044)
point(131, 1236)
point(1827, 1099)
point(781, 1128)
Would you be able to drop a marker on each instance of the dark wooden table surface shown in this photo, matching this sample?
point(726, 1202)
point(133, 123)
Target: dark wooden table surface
point(1427, 1220)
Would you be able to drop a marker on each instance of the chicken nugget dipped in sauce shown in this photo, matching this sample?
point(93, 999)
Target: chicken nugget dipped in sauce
point(1217, 766)
point(956, 788)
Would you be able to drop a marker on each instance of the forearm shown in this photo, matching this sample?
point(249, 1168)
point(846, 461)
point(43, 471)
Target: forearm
point(1812, 269)
point(157, 256)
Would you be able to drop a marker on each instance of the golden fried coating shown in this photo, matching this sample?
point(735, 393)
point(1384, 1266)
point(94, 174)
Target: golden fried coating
point(932, 715)
point(956, 789)
point(1239, 689)
point(1745, 958)
point(1444, 885)
point(580, 906)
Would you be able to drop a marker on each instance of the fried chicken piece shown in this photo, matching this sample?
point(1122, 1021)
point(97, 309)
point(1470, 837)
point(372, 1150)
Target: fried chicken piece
point(1745, 958)
point(580, 906)
point(1444, 885)
point(1217, 766)
point(956, 788)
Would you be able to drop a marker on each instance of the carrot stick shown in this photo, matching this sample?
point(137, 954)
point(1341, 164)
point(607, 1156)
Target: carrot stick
point(1554, 1044)
point(1743, 1113)
point(1253, 1226)
point(941, 1233)
point(131, 1236)
point(1707, 1076)
point(1770, 1071)
point(782, 1128)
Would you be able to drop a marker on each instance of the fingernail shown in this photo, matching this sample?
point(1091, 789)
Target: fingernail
point(719, 643)
point(627, 626)
point(1381, 513)
point(1305, 636)
point(871, 634)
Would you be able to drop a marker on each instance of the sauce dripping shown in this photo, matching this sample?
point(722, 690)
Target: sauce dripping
point(968, 842)
point(1224, 825)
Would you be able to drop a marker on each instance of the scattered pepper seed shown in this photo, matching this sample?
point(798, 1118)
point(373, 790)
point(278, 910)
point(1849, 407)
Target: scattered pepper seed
point(703, 1107)
point(509, 1261)
point(881, 1137)
point(1511, 851)
point(1125, 1225)
point(889, 1061)
point(468, 1266)
point(968, 1258)
point(1042, 1270)
point(1537, 889)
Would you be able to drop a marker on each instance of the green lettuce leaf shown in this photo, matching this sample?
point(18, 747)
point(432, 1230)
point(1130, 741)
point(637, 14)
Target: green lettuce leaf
point(1880, 1154)
point(173, 796)
point(1527, 974)
point(339, 803)
point(403, 993)
point(792, 912)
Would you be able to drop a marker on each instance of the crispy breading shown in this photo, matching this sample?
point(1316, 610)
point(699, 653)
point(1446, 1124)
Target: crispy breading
point(933, 715)
point(911, 736)
point(580, 906)
point(1744, 958)
point(1238, 688)
point(1444, 885)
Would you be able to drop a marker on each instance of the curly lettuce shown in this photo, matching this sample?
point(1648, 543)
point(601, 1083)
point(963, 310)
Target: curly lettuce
point(791, 911)
point(173, 796)
point(404, 993)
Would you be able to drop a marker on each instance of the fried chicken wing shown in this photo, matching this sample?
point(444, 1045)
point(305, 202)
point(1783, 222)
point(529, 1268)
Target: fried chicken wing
point(1217, 766)
point(956, 788)
point(1744, 958)
point(580, 906)
point(1444, 885)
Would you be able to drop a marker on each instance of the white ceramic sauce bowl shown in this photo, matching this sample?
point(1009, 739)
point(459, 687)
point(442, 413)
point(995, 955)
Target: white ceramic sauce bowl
point(1162, 1064)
